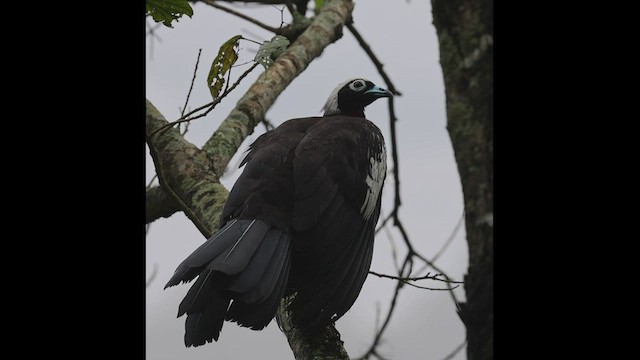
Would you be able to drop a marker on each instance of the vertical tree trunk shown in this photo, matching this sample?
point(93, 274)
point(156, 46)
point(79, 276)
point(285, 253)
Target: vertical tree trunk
point(465, 33)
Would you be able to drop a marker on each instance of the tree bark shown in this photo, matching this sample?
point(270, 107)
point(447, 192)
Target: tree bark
point(465, 33)
point(323, 345)
point(158, 204)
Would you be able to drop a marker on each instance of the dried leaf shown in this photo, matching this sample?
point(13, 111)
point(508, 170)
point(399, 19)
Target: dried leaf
point(227, 56)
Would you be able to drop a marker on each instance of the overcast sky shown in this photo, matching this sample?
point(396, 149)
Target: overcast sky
point(425, 325)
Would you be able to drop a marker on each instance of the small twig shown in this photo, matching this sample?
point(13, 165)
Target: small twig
point(153, 274)
point(209, 106)
point(186, 129)
point(449, 288)
point(195, 70)
point(242, 16)
point(373, 58)
point(154, 36)
point(290, 7)
point(394, 250)
point(378, 337)
point(384, 222)
point(450, 239)
point(219, 98)
point(267, 125)
point(151, 181)
point(425, 277)
point(242, 64)
point(455, 351)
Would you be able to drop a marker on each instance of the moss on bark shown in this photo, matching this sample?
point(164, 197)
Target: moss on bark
point(465, 33)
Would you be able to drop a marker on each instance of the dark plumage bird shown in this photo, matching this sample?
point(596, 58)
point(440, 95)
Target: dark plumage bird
point(300, 218)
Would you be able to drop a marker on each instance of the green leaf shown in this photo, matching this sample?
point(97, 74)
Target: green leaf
point(227, 56)
point(319, 4)
point(166, 11)
point(270, 50)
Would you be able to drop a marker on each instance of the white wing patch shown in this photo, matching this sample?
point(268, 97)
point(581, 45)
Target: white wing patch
point(375, 180)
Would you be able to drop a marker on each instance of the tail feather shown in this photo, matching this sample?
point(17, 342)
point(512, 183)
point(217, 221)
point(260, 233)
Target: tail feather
point(269, 279)
point(246, 265)
point(202, 327)
point(236, 258)
point(259, 315)
point(208, 285)
point(256, 269)
point(216, 244)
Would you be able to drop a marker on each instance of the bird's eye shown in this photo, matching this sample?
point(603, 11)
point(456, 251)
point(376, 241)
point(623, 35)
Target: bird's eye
point(357, 85)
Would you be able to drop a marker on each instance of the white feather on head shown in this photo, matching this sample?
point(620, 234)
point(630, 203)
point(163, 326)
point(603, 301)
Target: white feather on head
point(331, 106)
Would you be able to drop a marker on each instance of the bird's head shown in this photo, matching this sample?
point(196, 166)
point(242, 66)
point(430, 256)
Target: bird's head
point(352, 96)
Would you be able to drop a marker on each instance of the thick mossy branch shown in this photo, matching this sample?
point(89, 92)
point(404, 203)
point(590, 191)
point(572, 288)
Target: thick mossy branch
point(158, 204)
point(465, 34)
point(324, 345)
point(185, 174)
point(250, 110)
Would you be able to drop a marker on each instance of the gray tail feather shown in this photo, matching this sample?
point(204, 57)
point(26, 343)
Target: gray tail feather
point(227, 251)
point(202, 327)
point(255, 307)
point(246, 262)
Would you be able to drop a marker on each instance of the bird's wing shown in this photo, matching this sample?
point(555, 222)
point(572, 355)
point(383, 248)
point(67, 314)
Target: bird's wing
point(334, 215)
point(264, 190)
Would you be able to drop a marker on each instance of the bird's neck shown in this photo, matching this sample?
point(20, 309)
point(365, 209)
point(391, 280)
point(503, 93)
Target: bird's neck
point(354, 113)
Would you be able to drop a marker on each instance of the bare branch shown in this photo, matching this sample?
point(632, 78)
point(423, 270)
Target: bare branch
point(263, 2)
point(240, 15)
point(268, 126)
point(455, 351)
point(158, 204)
point(384, 222)
point(154, 36)
point(194, 189)
point(373, 58)
point(195, 70)
point(450, 239)
point(378, 337)
point(154, 272)
point(209, 106)
point(407, 279)
point(325, 28)
point(324, 344)
point(215, 102)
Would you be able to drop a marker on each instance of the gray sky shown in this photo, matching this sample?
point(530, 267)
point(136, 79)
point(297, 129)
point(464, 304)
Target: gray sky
point(424, 325)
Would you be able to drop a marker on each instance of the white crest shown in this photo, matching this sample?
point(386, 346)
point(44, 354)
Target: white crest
point(331, 106)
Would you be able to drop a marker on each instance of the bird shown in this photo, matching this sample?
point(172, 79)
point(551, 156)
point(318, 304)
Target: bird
point(300, 219)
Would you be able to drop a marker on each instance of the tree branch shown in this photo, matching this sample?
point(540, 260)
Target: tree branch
point(291, 31)
point(158, 204)
point(406, 279)
point(325, 29)
point(241, 15)
point(264, 2)
point(324, 345)
point(185, 174)
point(373, 57)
